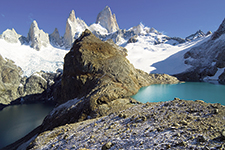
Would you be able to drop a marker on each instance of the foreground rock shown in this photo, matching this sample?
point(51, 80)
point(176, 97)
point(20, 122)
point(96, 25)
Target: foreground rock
point(176, 124)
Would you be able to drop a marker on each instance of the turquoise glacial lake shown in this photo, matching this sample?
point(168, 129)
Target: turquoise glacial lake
point(208, 92)
point(18, 120)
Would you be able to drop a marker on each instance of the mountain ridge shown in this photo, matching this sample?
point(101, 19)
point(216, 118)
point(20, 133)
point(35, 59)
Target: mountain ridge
point(106, 25)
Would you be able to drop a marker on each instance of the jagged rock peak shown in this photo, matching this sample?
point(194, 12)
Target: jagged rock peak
point(196, 35)
point(10, 36)
point(108, 20)
point(37, 37)
point(219, 31)
point(208, 33)
point(74, 27)
point(72, 16)
point(55, 38)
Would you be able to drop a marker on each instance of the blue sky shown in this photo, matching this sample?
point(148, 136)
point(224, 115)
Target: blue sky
point(172, 17)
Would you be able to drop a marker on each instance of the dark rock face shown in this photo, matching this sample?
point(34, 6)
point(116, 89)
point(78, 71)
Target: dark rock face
point(133, 39)
point(220, 31)
point(95, 62)
point(222, 78)
point(55, 38)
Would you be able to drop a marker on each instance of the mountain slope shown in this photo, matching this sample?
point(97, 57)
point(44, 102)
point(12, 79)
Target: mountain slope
point(48, 59)
point(207, 60)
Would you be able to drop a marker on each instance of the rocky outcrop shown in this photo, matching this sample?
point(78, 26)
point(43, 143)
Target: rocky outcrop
point(9, 81)
point(107, 20)
point(208, 33)
point(74, 27)
point(205, 59)
point(37, 37)
point(133, 39)
point(55, 38)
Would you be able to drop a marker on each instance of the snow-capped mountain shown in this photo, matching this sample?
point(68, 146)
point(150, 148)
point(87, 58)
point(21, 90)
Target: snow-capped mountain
point(148, 49)
point(196, 35)
point(74, 27)
point(107, 20)
point(207, 60)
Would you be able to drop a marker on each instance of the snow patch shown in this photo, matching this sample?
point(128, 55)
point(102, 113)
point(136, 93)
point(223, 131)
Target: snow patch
point(160, 58)
point(216, 76)
point(99, 28)
point(30, 60)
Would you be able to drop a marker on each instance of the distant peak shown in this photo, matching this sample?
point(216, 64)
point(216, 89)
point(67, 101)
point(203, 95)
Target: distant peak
point(34, 23)
point(107, 8)
point(56, 30)
point(107, 20)
point(72, 16)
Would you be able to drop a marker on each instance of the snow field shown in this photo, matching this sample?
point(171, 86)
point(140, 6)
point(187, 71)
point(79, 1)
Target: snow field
point(48, 59)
